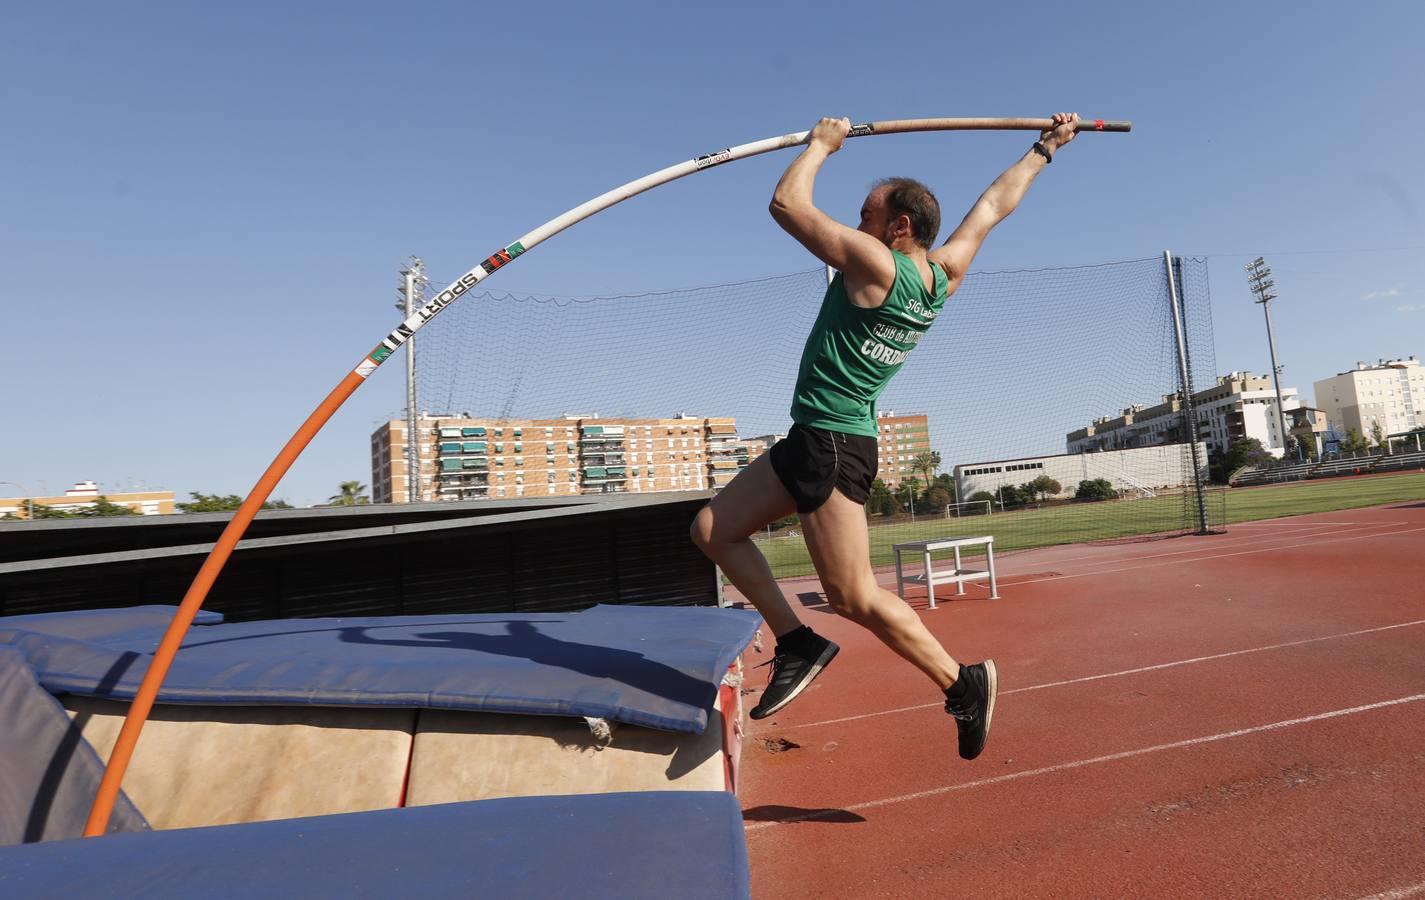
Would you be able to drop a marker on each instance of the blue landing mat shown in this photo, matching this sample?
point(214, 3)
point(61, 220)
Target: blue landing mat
point(658, 667)
point(684, 844)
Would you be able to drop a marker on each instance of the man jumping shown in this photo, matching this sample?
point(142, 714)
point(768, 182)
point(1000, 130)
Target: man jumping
point(889, 289)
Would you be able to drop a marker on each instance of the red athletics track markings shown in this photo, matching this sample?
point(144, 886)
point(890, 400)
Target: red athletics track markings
point(1244, 725)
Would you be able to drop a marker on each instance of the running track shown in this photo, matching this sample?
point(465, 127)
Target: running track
point(1230, 715)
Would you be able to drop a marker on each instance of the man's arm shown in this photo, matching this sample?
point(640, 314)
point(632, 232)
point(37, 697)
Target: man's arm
point(998, 201)
point(865, 262)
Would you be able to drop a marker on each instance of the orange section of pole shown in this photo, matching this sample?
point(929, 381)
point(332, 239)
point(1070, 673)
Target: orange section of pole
point(103, 806)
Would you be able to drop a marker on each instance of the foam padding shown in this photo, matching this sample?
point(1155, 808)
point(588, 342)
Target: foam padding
point(477, 756)
point(216, 765)
point(658, 667)
point(48, 773)
point(687, 845)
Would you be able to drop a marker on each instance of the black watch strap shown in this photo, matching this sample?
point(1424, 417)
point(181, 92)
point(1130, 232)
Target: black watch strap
point(1043, 151)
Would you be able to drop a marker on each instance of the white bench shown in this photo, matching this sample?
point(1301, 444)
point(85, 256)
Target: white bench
point(958, 577)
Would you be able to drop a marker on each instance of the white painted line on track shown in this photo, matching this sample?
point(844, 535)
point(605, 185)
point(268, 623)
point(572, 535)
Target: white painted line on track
point(1323, 529)
point(1269, 524)
point(1303, 525)
point(1119, 674)
point(1174, 562)
point(1414, 890)
point(1079, 764)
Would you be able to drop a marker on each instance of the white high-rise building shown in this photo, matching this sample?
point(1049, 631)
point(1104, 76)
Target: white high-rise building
point(1239, 405)
point(1390, 394)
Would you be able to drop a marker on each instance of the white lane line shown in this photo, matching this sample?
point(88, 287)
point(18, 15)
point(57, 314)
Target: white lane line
point(1008, 579)
point(1119, 674)
point(1282, 523)
point(1320, 530)
point(1401, 893)
point(1174, 562)
point(1079, 764)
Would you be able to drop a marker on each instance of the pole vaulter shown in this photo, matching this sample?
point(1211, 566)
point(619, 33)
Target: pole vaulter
point(147, 693)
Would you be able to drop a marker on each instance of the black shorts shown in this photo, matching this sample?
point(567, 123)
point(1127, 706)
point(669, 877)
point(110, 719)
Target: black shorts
point(812, 461)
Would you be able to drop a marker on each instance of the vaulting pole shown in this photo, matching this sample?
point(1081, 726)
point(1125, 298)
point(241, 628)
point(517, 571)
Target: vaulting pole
point(147, 693)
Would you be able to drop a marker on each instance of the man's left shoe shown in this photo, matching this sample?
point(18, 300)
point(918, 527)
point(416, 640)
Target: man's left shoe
point(974, 709)
point(791, 673)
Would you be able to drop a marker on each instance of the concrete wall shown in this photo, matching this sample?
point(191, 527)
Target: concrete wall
point(1145, 468)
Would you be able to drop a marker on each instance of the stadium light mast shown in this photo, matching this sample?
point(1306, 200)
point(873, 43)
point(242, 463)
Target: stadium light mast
point(411, 294)
point(1259, 279)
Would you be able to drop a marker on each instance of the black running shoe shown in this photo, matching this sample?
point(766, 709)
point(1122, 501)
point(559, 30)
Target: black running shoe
point(791, 673)
point(976, 708)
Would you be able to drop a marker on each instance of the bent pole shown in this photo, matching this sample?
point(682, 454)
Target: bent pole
point(157, 670)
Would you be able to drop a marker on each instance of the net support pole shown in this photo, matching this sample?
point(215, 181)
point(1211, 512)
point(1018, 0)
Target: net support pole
point(1185, 379)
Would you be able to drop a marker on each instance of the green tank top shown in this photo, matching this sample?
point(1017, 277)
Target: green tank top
point(852, 352)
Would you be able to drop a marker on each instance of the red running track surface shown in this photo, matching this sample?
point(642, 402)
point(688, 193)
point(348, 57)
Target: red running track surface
point(1228, 715)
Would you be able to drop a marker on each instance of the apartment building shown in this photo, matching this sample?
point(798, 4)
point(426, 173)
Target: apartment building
point(463, 457)
point(1239, 405)
point(1390, 393)
point(899, 440)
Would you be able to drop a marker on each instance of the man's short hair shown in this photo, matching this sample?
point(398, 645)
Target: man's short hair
point(908, 197)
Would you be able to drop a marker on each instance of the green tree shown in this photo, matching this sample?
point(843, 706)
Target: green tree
point(926, 462)
point(201, 503)
point(1095, 489)
point(1044, 485)
point(101, 509)
point(907, 492)
point(1377, 435)
point(947, 481)
point(1009, 495)
point(41, 511)
point(880, 502)
point(1244, 451)
point(937, 498)
point(352, 494)
point(1354, 442)
point(981, 496)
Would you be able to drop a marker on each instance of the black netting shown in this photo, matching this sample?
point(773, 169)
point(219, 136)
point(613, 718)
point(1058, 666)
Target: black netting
point(1017, 365)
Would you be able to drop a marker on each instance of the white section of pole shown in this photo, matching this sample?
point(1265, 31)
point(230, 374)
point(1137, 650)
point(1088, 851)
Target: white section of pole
point(527, 242)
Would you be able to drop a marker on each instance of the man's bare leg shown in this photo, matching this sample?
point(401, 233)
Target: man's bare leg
point(721, 530)
point(840, 549)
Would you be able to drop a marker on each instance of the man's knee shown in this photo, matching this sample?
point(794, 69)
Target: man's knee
point(853, 601)
point(701, 531)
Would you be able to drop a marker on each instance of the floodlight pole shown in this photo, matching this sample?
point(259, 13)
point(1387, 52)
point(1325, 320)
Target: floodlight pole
point(1259, 278)
point(412, 297)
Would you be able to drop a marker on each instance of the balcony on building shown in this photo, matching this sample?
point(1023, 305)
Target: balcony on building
point(601, 434)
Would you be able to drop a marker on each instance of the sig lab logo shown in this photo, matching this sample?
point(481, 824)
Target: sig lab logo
point(712, 159)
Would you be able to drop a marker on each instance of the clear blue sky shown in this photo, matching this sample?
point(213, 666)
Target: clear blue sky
point(203, 208)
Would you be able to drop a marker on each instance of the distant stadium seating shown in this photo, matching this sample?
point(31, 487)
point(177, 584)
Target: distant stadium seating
point(1329, 468)
point(1400, 461)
